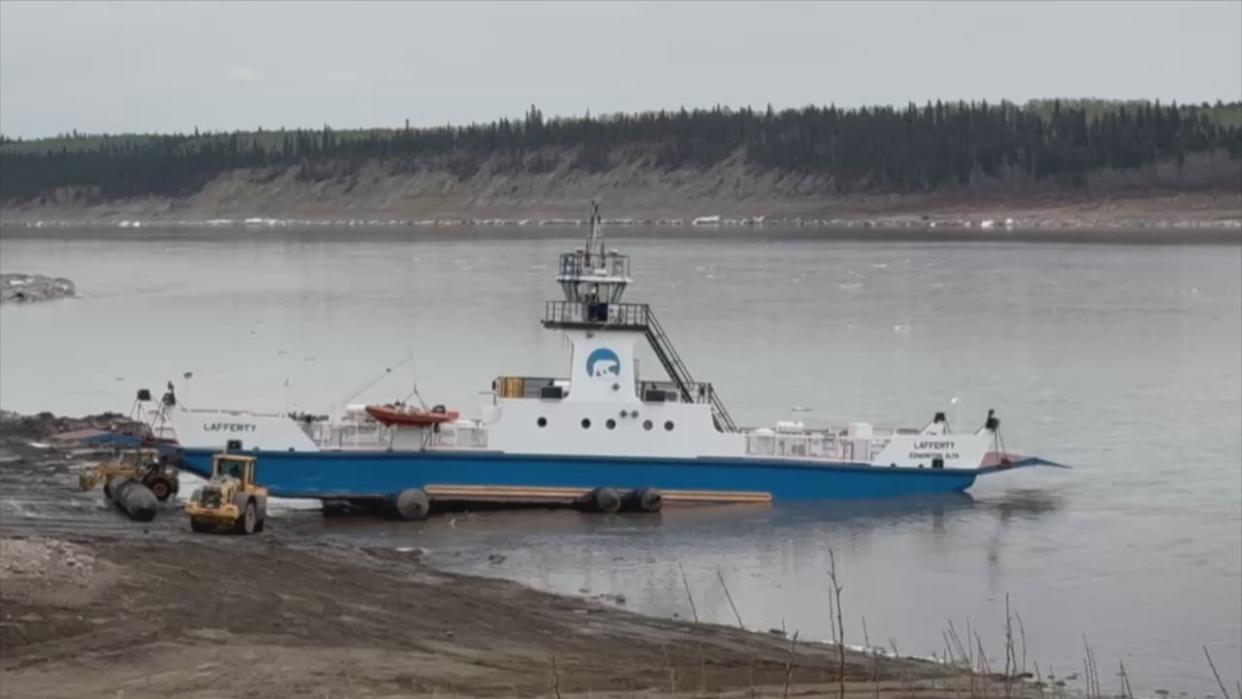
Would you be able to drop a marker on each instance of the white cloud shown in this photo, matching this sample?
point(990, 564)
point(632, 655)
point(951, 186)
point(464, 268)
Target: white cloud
point(342, 76)
point(245, 74)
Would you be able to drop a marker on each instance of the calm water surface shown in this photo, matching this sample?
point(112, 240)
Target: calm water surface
point(1125, 361)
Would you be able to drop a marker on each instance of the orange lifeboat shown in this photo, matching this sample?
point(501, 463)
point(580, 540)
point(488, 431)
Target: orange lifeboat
point(410, 416)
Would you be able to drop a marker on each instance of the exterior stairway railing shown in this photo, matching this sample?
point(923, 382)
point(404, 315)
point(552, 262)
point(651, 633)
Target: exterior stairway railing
point(677, 371)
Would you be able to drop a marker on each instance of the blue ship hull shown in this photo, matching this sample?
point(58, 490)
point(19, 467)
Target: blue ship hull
point(346, 474)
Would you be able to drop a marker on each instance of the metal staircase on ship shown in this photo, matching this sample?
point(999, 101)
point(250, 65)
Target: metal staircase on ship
point(593, 280)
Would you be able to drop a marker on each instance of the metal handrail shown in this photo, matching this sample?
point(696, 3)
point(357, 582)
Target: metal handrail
point(700, 391)
point(633, 315)
point(581, 264)
point(680, 374)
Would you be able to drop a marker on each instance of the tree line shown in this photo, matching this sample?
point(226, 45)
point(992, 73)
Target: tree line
point(881, 149)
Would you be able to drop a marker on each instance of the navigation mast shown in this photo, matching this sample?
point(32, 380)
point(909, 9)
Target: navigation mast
point(594, 275)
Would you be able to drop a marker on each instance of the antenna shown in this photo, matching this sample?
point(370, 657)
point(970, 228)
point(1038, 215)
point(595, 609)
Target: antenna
point(593, 234)
point(599, 234)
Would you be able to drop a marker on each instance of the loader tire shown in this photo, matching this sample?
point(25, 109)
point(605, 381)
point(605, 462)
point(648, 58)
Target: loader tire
point(161, 487)
point(249, 518)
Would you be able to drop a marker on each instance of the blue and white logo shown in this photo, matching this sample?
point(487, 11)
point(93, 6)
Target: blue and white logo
point(603, 362)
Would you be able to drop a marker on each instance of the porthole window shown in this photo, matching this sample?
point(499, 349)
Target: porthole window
point(586, 423)
point(668, 425)
point(611, 424)
point(542, 422)
point(647, 425)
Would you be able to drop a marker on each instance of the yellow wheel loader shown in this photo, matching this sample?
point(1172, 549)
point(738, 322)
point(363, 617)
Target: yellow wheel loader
point(145, 466)
point(230, 500)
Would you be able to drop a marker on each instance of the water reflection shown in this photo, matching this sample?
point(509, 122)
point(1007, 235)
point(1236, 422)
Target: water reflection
point(773, 559)
point(546, 547)
point(928, 513)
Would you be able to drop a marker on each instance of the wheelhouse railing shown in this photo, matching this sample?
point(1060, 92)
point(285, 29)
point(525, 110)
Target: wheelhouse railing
point(579, 314)
point(584, 264)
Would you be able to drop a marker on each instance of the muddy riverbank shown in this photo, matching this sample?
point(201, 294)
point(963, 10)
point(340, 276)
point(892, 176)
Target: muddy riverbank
point(263, 616)
point(92, 604)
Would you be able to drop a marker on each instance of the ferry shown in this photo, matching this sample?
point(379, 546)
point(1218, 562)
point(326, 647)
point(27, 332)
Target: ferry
point(599, 431)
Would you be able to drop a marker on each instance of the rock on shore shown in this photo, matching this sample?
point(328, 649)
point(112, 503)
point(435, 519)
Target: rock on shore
point(33, 287)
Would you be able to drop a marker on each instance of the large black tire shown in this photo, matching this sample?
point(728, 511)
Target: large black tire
point(606, 500)
point(412, 505)
point(133, 498)
point(259, 527)
point(162, 487)
point(642, 500)
point(248, 520)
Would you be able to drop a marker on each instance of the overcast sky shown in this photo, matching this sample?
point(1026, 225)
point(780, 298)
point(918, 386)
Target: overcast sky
point(114, 67)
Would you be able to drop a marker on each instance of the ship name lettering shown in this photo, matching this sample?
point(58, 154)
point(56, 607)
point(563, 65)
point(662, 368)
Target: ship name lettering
point(229, 427)
point(934, 445)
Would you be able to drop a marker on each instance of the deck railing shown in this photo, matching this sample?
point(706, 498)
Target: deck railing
point(697, 392)
point(625, 315)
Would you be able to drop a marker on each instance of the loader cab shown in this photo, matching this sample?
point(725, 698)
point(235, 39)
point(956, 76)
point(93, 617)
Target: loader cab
point(139, 458)
point(230, 465)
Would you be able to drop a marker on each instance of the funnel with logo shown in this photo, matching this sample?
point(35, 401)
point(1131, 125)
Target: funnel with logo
point(603, 362)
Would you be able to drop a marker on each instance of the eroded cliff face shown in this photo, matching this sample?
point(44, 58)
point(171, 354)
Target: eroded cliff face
point(553, 184)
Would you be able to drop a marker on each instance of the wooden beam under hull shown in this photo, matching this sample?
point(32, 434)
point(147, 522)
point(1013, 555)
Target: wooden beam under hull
point(500, 493)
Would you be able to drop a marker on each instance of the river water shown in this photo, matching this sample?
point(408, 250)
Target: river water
point(1122, 360)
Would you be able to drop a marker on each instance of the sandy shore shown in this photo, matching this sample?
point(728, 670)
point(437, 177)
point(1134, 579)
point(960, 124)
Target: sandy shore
point(92, 604)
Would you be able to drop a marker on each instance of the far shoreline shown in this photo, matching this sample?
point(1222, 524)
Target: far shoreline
point(1123, 231)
